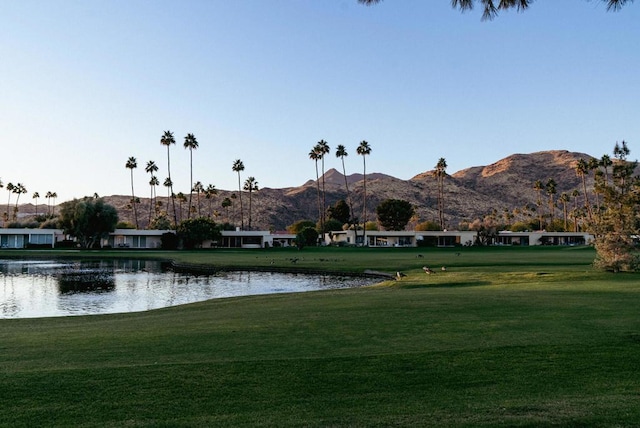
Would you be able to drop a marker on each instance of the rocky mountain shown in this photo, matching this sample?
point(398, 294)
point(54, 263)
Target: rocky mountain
point(470, 193)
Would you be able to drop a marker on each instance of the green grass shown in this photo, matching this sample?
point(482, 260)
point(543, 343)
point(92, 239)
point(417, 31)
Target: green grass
point(504, 337)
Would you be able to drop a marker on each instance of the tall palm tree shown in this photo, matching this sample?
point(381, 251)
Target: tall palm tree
point(363, 150)
point(169, 184)
point(538, 186)
point(191, 143)
point(341, 152)
point(575, 195)
point(54, 196)
point(440, 172)
point(153, 207)
point(198, 187)
point(167, 140)
point(10, 187)
point(582, 170)
point(35, 196)
point(132, 164)
point(151, 169)
point(18, 189)
point(226, 203)
point(323, 148)
point(238, 166)
point(550, 188)
point(315, 157)
point(565, 199)
point(250, 185)
point(209, 193)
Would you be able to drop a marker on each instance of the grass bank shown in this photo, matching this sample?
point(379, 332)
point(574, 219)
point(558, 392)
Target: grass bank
point(503, 337)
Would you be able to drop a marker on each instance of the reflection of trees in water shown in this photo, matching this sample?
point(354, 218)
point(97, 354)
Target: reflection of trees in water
point(86, 281)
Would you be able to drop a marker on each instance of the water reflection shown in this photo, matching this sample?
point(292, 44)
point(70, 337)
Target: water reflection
point(45, 288)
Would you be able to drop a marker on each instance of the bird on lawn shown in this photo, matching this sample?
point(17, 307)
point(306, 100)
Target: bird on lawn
point(427, 270)
point(400, 275)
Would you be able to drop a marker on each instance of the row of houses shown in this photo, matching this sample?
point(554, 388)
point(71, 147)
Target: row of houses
point(152, 239)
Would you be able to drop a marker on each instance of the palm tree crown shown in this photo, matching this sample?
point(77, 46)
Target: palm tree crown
point(364, 149)
point(238, 166)
point(131, 164)
point(191, 143)
point(341, 152)
point(167, 139)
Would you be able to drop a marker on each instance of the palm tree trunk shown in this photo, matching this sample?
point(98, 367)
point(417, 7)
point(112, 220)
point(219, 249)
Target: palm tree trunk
point(319, 200)
point(364, 208)
point(173, 200)
point(241, 208)
point(133, 201)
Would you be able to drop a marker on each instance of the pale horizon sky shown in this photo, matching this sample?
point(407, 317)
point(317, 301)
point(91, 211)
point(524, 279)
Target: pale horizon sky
point(84, 85)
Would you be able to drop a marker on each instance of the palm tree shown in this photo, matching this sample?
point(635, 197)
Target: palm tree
point(35, 196)
point(169, 184)
point(363, 150)
point(565, 199)
point(315, 157)
point(550, 188)
point(167, 140)
point(209, 193)
point(440, 172)
point(18, 190)
point(226, 203)
point(323, 148)
point(582, 169)
point(48, 196)
point(199, 188)
point(250, 185)
point(131, 164)
point(181, 200)
point(151, 168)
point(54, 195)
point(153, 182)
point(575, 195)
point(605, 163)
point(341, 152)
point(537, 186)
point(238, 166)
point(233, 207)
point(191, 143)
point(10, 188)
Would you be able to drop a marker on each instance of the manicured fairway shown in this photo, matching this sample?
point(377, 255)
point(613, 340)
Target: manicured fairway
point(503, 337)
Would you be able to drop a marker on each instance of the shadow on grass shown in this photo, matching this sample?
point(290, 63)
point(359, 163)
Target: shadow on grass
point(449, 284)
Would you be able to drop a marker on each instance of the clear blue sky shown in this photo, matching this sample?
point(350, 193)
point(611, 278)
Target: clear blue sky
point(84, 85)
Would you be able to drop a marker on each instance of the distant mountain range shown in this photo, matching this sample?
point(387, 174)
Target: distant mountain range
point(470, 193)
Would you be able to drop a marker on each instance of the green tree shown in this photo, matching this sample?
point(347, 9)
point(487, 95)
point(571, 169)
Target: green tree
point(340, 211)
point(88, 220)
point(250, 185)
point(167, 140)
point(132, 164)
point(193, 232)
point(191, 143)
point(299, 225)
point(307, 237)
point(238, 166)
point(491, 8)
point(394, 214)
point(619, 221)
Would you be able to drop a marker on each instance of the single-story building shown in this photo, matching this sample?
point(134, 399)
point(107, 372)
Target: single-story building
point(134, 238)
point(403, 238)
point(23, 238)
point(542, 237)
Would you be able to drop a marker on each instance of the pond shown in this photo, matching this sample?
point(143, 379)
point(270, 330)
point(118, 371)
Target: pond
point(52, 288)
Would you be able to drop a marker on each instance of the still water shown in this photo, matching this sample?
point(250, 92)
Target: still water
point(52, 288)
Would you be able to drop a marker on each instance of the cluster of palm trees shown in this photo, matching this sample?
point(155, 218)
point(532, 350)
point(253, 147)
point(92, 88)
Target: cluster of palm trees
point(197, 187)
point(317, 154)
point(587, 209)
point(20, 189)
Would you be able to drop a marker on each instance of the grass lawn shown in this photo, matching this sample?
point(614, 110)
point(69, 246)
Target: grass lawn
point(504, 337)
